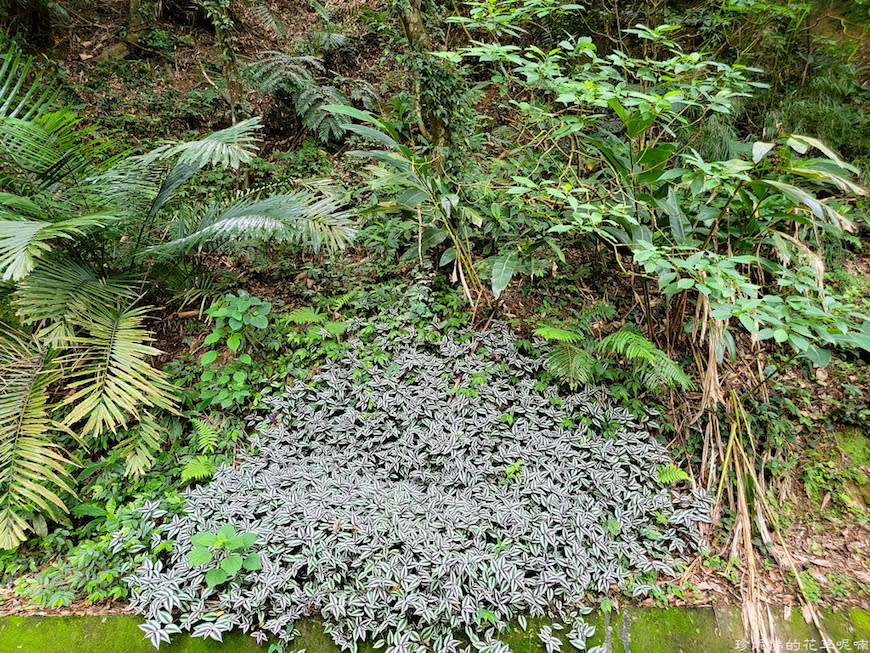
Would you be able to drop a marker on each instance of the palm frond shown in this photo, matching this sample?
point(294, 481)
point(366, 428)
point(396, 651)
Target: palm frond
point(294, 217)
point(49, 149)
point(17, 99)
point(23, 242)
point(30, 462)
point(140, 445)
point(228, 147)
point(111, 378)
point(51, 292)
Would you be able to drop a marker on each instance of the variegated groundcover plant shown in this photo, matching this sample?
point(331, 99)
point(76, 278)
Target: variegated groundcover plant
point(422, 498)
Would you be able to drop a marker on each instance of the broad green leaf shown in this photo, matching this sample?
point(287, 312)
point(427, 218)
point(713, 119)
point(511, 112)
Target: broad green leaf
point(760, 150)
point(817, 356)
point(203, 539)
point(253, 562)
point(234, 342)
point(232, 564)
point(208, 357)
point(503, 268)
point(215, 577)
point(199, 556)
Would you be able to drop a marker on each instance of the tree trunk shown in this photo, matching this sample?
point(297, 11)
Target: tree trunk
point(415, 31)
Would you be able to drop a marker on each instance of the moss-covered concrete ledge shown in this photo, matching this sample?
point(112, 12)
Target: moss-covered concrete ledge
point(633, 630)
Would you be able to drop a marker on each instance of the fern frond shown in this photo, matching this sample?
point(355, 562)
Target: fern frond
point(654, 366)
point(559, 335)
point(49, 294)
point(111, 377)
point(670, 474)
point(571, 363)
point(338, 302)
point(269, 18)
point(30, 462)
point(198, 468)
point(282, 71)
point(206, 435)
point(294, 217)
point(598, 312)
point(309, 105)
point(306, 315)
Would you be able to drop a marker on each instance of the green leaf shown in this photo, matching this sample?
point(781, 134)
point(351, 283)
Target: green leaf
point(208, 357)
point(259, 321)
point(246, 359)
point(253, 562)
point(199, 556)
point(234, 342)
point(232, 564)
point(215, 577)
point(503, 268)
point(227, 531)
point(760, 150)
point(213, 337)
point(203, 539)
point(817, 356)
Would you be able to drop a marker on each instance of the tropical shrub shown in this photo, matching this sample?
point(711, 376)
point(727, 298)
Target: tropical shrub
point(78, 225)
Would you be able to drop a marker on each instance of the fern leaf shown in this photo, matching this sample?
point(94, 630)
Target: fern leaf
point(306, 315)
point(30, 462)
point(571, 364)
point(206, 435)
point(198, 468)
point(269, 18)
point(652, 364)
point(560, 335)
point(670, 474)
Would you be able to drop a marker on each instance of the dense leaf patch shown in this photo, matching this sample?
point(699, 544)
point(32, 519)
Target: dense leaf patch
point(421, 488)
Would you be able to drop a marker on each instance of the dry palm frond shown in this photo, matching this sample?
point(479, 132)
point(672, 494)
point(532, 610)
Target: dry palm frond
point(30, 461)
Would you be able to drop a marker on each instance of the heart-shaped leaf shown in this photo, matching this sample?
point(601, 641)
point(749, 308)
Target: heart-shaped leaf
point(232, 564)
point(215, 577)
point(199, 556)
point(252, 562)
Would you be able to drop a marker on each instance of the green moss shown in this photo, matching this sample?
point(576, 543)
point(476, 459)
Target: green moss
point(855, 446)
point(655, 630)
point(861, 623)
point(668, 630)
point(117, 634)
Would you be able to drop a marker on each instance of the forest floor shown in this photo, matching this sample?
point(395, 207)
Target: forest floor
point(166, 88)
